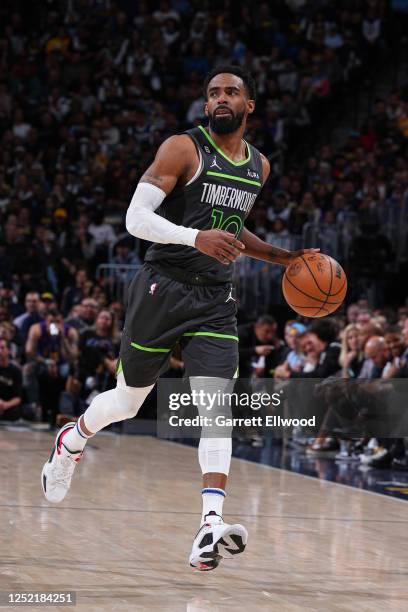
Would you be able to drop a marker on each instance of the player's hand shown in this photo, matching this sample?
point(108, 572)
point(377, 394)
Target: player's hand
point(220, 245)
point(300, 252)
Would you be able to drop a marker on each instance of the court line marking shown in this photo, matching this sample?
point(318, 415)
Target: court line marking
point(272, 516)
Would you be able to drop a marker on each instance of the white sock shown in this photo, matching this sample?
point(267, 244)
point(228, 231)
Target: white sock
point(213, 500)
point(75, 439)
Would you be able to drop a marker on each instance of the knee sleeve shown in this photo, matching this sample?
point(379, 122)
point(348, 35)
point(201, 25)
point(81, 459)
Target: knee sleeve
point(118, 404)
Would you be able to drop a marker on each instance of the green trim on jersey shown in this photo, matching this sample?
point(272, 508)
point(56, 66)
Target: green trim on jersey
point(231, 177)
point(149, 349)
point(213, 335)
point(221, 152)
point(119, 367)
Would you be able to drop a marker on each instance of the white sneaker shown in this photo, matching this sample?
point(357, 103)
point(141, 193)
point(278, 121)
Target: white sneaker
point(216, 540)
point(57, 472)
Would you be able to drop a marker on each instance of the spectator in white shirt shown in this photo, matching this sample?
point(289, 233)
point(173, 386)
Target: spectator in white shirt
point(101, 232)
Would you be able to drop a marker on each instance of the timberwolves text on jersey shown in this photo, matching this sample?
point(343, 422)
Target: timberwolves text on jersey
point(219, 196)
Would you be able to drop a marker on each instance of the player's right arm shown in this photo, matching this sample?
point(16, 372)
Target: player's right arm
point(176, 161)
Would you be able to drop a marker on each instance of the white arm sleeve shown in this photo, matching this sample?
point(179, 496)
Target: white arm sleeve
point(143, 222)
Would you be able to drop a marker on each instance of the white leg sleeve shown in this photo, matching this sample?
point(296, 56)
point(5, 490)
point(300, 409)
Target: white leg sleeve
point(118, 404)
point(214, 453)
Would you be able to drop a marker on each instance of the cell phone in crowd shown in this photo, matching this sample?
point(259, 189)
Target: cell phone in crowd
point(54, 331)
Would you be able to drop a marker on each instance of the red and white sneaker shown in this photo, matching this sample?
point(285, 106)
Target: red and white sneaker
point(216, 540)
point(58, 470)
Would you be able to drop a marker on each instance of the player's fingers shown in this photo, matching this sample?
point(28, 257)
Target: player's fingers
point(228, 256)
point(238, 244)
point(232, 250)
point(229, 238)
point(219, 256)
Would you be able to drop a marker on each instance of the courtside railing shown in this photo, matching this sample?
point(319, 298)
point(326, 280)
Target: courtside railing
point(257, 283)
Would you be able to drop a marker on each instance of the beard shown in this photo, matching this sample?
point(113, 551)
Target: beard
point(226, 124)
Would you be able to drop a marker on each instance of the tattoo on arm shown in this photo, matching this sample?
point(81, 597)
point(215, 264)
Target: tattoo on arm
point(277, 255)
point(152, 179)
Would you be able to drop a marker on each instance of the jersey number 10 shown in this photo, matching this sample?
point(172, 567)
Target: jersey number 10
point(232, 224)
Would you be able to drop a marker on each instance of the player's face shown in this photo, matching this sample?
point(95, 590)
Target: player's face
point(227, 103)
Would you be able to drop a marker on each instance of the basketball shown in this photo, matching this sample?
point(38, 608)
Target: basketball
point(314, 285)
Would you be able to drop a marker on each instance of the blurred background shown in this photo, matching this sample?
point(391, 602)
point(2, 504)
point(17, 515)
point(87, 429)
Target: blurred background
point(88, 91)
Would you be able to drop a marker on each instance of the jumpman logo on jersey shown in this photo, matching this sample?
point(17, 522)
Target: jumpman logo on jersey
point(214, 163)
point(230, 297)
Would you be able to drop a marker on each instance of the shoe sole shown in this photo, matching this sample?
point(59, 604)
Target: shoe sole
point(222, 549)
point(43, 471)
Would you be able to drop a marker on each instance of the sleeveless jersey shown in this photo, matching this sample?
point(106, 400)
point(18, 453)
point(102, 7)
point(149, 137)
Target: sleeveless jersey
point(49, 347)
point(219, 196)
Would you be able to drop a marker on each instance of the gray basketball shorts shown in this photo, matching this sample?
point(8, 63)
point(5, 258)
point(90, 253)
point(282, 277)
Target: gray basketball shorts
point(162, 311)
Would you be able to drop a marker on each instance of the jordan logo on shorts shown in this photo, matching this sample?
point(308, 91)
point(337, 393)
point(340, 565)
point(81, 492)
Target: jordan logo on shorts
point(153, 288)
point(214, 163)
point(230, 297)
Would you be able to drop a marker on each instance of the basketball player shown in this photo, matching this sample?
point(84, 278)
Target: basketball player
point(191, 203)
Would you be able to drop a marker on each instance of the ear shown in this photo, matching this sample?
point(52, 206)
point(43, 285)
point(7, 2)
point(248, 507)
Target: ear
point(250, 106)
point(206, 109)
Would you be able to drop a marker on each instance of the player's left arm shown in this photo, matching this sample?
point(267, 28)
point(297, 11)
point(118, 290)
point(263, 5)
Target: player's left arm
point(259, 249)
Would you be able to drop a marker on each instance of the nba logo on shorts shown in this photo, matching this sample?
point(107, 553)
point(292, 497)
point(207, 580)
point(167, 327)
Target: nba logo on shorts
point(153, 288)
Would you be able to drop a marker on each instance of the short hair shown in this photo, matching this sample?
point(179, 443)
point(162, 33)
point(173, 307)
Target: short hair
point(238, 71)
point(326, 331)
point(266, 320)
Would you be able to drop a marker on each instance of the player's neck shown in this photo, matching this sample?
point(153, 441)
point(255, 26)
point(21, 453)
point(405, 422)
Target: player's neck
point(231, 144)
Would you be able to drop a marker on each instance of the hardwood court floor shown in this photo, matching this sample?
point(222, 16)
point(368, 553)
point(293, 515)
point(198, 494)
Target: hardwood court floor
point(122, 537)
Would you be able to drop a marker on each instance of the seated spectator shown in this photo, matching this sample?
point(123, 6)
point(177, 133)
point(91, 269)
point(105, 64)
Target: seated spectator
point(402, 371)
point(353, 310)
point(47, 303)
point(11, 389)
point(351, 356)
point(323, 335)
point(9, 332)
point(102, 232)
point(260, 350)
point(74, 294)
point(95, 373)
point(364, 333)
point(51, 347)
point(376, 351)
point(85, 315)
point(125, 253)
point(31, 314)
point(278, 234)
point(397, 355)
point(295, 357)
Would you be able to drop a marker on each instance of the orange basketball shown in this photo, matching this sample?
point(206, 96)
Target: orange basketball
point(314, 285)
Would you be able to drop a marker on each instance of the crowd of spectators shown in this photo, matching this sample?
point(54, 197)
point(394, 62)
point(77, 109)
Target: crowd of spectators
point(50, 366)
point(89, 89)
point(362, 345)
